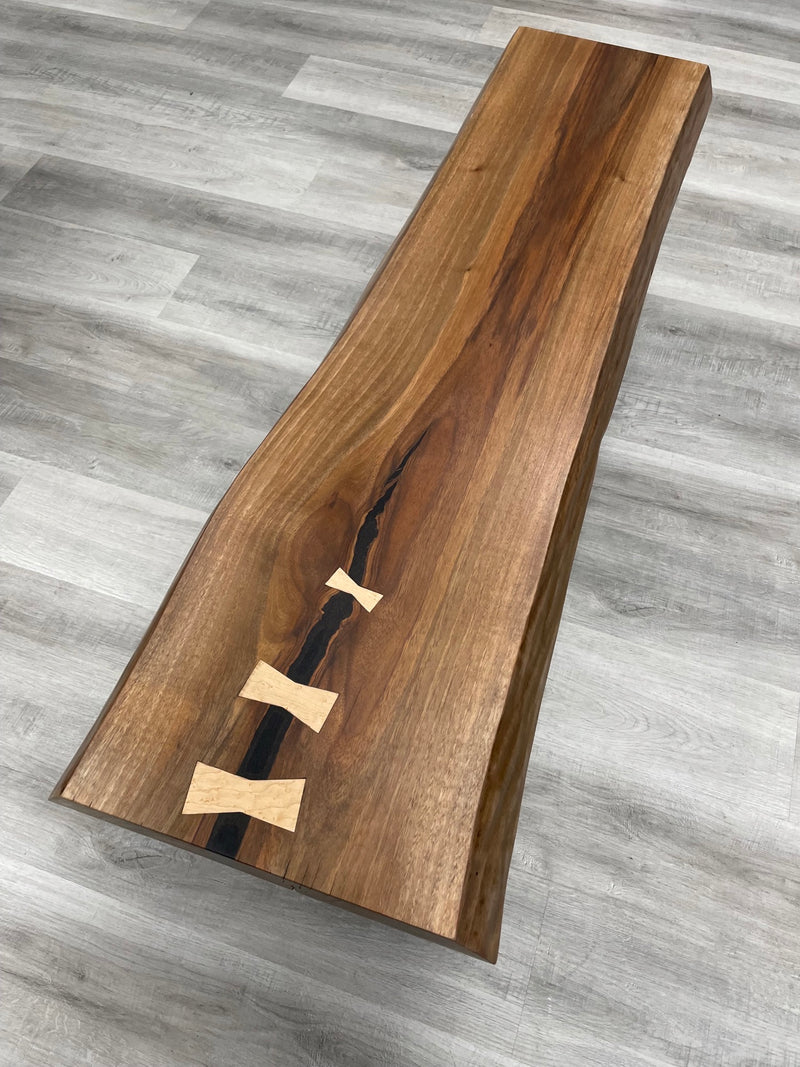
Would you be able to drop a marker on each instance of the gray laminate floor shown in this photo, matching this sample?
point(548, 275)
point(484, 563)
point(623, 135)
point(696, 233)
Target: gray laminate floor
point(194, 192)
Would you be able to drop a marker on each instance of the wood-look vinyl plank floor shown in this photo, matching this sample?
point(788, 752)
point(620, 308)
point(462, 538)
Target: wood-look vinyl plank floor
point(417, 99)
point(372, 36)
point(734, 70)
point(52, 259)
point(192, 195)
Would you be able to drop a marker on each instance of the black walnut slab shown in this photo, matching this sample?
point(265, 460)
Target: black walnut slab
point(441, 457)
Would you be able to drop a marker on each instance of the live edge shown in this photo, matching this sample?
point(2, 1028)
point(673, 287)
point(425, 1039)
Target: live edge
point(442, 457)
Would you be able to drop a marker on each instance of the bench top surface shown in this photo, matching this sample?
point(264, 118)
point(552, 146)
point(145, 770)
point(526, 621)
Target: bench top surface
point(441, 457)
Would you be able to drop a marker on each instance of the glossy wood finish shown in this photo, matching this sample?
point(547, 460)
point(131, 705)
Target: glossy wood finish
point(443, 454)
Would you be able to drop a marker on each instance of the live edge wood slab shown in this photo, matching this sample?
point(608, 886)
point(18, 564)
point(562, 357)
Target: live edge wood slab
point(402, 540)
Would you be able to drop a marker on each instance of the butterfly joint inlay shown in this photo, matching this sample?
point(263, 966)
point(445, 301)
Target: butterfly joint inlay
point(342, 581)
point(305, 702)
point(273, 800)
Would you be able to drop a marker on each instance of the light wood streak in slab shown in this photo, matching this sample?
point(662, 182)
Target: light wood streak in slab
point(367, 598)
point(276, 801)
point(307, 703)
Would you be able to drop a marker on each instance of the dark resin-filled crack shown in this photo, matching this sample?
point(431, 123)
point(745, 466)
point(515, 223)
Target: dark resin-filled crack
point(229, 828)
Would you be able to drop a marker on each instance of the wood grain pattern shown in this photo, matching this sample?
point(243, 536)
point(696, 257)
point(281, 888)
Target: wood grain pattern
point(471, 389)
point(276, 801)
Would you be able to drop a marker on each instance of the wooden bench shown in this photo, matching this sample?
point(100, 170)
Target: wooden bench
point(341, 688)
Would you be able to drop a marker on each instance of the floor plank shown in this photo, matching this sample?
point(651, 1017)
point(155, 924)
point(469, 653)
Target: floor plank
point(734, 70)
point(57, 261)
point(177, 13)
point(14, 164)
point(204, 224)
point(724, 388)
point(693, 558)
point(98, 536)
point(375, 36)
point(212, 160)
point(621, 973)
point(412, 98)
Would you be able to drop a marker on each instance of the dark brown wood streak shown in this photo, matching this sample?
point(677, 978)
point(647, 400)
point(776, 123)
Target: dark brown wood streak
point(443, 456)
